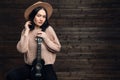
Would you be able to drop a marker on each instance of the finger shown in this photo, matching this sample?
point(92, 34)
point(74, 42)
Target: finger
point(29, 22)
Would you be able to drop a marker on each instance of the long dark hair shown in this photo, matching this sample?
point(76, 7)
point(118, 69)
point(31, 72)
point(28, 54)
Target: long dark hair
point(32, 15)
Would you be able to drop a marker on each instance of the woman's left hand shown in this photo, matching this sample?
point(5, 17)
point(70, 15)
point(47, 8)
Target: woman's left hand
point(41, 34)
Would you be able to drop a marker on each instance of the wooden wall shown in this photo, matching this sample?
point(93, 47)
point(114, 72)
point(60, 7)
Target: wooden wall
point(89, 31)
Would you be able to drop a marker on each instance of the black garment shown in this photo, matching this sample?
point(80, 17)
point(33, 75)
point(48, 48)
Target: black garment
point(24, 72)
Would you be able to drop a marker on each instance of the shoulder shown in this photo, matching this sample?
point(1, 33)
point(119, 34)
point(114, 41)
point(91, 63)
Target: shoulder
point(50, 32)
point(50, 29)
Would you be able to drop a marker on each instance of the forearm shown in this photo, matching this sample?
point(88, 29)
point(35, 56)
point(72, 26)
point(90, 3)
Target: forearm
point(52, 46)
point(22, 45)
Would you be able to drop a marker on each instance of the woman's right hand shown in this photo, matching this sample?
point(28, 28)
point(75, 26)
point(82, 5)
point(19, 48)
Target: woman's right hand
point(27, 24)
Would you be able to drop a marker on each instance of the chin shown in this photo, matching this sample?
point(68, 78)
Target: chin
point(40, 24)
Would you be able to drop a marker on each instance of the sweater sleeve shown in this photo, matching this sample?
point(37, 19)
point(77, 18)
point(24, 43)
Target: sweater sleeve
point(52, 41)
point(22, 45)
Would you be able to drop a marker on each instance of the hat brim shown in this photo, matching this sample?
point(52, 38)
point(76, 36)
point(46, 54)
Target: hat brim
point(45, 5)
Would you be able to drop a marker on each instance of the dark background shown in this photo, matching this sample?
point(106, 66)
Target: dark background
point(89, 31)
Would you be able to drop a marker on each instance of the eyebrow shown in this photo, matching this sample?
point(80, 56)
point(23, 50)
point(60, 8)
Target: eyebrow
point(40, 14)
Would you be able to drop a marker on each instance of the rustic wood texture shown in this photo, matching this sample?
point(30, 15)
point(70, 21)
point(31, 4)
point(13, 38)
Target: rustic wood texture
point(89, 31)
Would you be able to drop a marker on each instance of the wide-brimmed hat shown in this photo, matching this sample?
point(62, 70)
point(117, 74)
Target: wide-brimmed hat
point(45, 5)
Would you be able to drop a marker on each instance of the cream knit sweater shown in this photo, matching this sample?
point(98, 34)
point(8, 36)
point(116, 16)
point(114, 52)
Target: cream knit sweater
point(28, 46)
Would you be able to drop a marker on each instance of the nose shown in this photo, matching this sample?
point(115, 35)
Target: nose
point(41, 18)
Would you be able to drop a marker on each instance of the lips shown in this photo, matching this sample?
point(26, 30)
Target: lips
point(40, 22)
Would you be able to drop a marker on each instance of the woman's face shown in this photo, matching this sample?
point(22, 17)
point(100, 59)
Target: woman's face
point(40, 17)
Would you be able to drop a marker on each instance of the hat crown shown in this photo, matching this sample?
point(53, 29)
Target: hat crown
point(45, 5)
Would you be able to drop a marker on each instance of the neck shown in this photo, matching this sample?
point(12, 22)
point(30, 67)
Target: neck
point(37, 27)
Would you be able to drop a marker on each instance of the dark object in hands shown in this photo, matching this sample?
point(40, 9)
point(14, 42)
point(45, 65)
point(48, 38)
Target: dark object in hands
point(38, 62)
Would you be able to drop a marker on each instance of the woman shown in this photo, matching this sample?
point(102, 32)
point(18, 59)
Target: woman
point(37, 25)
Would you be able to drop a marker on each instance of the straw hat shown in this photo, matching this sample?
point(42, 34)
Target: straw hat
point(45, 5)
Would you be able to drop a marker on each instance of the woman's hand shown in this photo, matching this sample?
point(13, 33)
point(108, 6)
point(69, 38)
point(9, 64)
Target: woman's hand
point(27, 24)
point(42, 34)
point(27, 29)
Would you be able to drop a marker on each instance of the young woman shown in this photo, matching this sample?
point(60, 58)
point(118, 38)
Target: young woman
point(37, 25)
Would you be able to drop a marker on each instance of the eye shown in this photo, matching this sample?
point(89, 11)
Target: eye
point(44, 16)
point(38, 15)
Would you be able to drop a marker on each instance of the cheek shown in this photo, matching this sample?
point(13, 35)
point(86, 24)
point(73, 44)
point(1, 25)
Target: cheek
point(44, 20)
point(35, 20)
